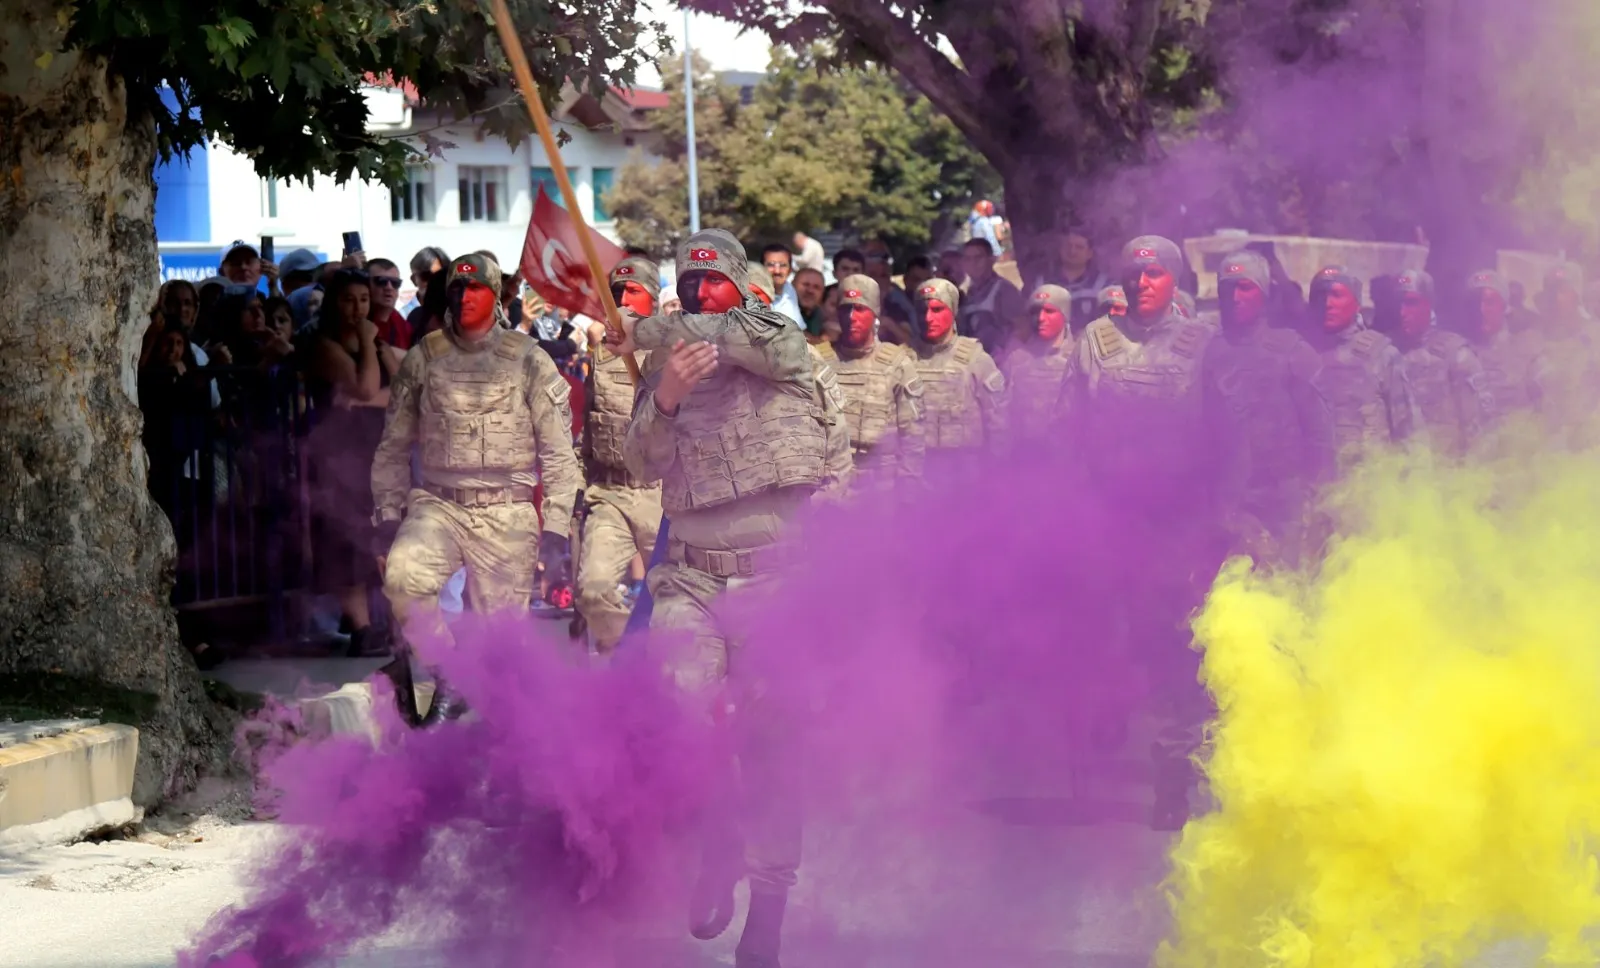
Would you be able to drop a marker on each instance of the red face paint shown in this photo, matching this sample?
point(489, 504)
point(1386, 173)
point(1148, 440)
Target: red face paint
point(636, 297)
point(1492, 309)
point(1156, 289)
point(1051, 323)
point(1416, 314)
point(937, 320)
point(1341, 308)
point(856, 324)
point(477, 310)
point(1248, 302)
point(718, 294)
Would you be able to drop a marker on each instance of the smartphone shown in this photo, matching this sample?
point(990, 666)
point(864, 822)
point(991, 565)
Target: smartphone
point(266, 249)
point(352, 242)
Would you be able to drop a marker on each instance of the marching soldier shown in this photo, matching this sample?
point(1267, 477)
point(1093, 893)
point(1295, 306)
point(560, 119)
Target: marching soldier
point(1363, 375)
point(486, 406)
point(1036, 367)
point(1513, 363)
point(964, 392)
point(882, 393)
point(1446, 377)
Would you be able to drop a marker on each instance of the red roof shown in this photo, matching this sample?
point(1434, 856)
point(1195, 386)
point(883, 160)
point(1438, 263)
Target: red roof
point(642, 99)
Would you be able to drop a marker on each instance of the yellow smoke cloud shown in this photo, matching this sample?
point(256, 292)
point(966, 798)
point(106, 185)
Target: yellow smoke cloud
point(1406, 762)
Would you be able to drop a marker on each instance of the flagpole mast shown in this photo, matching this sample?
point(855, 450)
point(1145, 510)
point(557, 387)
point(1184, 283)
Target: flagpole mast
point(530, 96)
point(688, 110)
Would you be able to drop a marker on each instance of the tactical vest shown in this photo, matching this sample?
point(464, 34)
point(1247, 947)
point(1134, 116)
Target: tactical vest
point(610, 406)
point(1166, 365)
point(1352, 381)
point(1508, 365)
point(474, 406)
point(1038, 385)
point(1428, 371)
point(1252, 381)
point(739, 435)
point(869, 395)
point(951, 416)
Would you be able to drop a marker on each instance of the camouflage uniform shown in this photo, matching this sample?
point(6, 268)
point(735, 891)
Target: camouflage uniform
point(1446, 378)
point(1572, 358)
point(1364, 380)
point(1036, 377)
point(963, 397)
point(622, 512)
point(1135, 400)
point(484, 412)
point(1513, 363)
point(1273, 428)
point(746, 452)
point(882, 399)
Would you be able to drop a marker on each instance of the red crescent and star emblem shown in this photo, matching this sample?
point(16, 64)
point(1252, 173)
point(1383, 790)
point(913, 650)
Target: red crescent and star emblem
point(1235, 269)
point(466, 267)
point(928, 290)
point(852, 294)
point(1146, 254)
point(704, 255)
point(624, 270)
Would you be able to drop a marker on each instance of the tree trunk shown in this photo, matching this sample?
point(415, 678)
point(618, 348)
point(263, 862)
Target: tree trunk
point(86, 558)
point(1037, 209)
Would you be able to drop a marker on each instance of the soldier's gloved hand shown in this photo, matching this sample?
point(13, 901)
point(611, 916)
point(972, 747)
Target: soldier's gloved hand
point(555, 553)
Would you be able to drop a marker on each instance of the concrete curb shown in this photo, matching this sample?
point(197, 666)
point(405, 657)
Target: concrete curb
point(56, 789)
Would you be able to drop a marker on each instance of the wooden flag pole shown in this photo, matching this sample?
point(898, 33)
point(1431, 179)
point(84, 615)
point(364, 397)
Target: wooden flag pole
point(541, 121)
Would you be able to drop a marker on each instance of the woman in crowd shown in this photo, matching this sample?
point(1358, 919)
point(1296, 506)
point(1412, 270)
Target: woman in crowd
point(348, 375)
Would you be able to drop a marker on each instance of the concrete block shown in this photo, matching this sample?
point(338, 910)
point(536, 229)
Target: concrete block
point(55, 789)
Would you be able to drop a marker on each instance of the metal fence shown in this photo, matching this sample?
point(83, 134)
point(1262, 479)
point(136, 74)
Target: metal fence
point(235, 484)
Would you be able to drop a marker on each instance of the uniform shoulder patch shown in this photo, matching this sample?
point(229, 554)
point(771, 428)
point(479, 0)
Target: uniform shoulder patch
point(995, 382)
point(966, 349)
point(513, 345)
point(1367, 342)
point(888, 353)
point(1191, 339)
point(828, 382)
point(559, 391)
point(435, 344)
point(1106, 340)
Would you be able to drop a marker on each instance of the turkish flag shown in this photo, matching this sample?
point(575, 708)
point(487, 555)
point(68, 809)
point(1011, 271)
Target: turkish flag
point(553, 262)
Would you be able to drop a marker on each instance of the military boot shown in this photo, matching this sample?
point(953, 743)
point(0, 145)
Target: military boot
point(721, 869)
point(446, 706)
point(763, 931)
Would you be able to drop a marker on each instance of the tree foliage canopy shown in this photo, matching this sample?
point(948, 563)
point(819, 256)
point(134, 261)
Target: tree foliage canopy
point(281, 82)
point(854, 150)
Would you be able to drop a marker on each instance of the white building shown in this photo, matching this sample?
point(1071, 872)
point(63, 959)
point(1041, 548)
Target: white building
point(478, 195)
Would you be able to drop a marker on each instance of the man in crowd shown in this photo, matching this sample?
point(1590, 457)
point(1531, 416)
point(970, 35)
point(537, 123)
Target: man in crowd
point(964, 393)
point(810, 254)
point(1035, 367)
point(981, 227)
point(1363, 376)
point(919, 269)
point(779, 264)
point(622, 511)
point(424, 265)
point(1271, 428)
point(895, 318)
point(383, 277)
point(848, 262)
point(1136, 408)
point(1513, 363)
point(950, 267)
point(729, 518)
point(1446, 378)
point(479, 446)
point(810, 290)
point(991, 305)
point(242, 265)
point(882, 392)
point(297, 270)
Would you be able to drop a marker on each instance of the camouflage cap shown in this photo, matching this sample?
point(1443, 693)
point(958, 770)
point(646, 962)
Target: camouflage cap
point(1245, 264)
point(1053, 296)
point(941, 289)
point(1566, 274)
point(1414, 281)
point(478, 268)
point(1328, 275)
point(760, 280)
point(860, 291)
point(713, 250)
point(1152, 250)
point(641, 270)
point(1112, 296)
point(1489, 279)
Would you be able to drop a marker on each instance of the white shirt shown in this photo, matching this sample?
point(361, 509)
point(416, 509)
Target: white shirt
point(788, 304)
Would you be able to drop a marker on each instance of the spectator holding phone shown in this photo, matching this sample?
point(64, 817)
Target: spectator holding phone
point(393, 330)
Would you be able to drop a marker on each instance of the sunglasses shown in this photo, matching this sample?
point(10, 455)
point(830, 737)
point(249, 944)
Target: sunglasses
point(386, 282)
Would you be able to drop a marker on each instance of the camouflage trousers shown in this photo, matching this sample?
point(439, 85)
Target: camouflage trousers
point(699, 642)
point(497, 544)
point(619, 522)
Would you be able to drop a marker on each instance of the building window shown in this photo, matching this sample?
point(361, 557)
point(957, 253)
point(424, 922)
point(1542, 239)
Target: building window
point(412, 200)
point(547, 178)
point(483, 194)
point(602, 180)
point(269, 197)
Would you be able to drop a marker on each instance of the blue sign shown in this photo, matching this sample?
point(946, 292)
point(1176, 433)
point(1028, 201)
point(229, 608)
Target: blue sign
point(197, 267)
